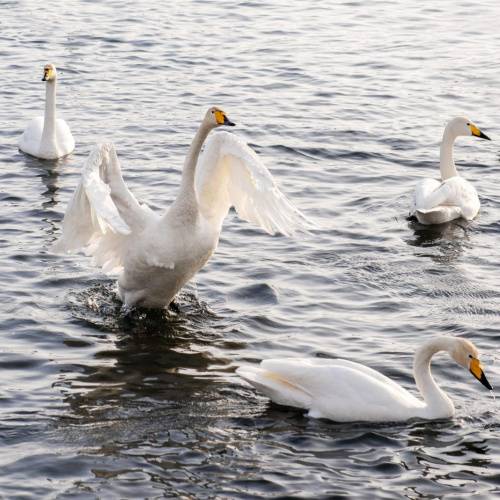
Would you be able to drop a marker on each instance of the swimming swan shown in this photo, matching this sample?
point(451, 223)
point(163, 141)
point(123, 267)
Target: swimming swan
point(346, 392)
point(156, 255)
point(435, 202)
point(45, 136)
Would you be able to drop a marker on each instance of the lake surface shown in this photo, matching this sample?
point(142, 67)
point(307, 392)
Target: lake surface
point(346, 103)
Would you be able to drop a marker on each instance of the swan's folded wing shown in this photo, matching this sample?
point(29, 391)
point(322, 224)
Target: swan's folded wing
point(102, 211)
point(455, 191)
point(422, 191)
point(230, 173)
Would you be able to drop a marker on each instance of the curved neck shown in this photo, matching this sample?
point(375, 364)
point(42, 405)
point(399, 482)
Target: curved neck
point(189, 170)
point(446, 162)
point(439, 405)
point(49, 122)
point(187, 204)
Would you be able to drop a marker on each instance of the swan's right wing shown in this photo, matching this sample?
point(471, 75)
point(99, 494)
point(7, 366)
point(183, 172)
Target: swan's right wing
point(230, 173)
point(102, 211)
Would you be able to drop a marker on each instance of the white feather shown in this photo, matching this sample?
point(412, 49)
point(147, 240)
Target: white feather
point(230, 173)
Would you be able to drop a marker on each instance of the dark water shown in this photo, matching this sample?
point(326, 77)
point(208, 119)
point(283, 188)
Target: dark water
point(346, 103)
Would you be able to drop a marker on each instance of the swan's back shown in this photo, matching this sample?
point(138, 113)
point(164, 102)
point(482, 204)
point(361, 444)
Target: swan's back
point(436, 202)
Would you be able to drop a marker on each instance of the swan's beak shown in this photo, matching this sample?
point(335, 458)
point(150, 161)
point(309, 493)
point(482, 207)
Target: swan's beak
point(478, 133)
point(46, 75)
point(222, 119)
point(477, 370)
point(228, 122)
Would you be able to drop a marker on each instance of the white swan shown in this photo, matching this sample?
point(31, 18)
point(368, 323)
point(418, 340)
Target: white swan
point(345, 391)
point(45, 136)
point(156, 255)
point(435, 202)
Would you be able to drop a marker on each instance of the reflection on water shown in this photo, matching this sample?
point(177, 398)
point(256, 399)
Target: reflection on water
point(449, 239)
point(155, 356)
point(50, 175)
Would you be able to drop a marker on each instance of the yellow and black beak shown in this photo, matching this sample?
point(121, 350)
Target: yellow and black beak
point(222, 119)
point(478, 133)
point(477, 370)
point(46, 74)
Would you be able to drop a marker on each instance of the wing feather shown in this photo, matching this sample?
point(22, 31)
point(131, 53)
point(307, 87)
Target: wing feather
point(436, 202)
point(102, 212)
point(229, 173)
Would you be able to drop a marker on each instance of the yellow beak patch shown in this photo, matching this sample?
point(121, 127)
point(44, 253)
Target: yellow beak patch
point(476, 368)
point(475, 130)
point(219, 116)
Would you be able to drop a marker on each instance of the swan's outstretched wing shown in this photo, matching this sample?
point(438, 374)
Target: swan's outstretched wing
point(230, 173)
point(102, 211)
point(437, 202)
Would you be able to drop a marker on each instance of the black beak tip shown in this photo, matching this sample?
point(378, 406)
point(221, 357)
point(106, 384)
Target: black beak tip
point(44, 79)
point(485, 382)
point(484, 136)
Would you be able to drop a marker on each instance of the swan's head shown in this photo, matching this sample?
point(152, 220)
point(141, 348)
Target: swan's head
point(463, 126)
point(49, 73)
point(465, 354)
point(217, 117)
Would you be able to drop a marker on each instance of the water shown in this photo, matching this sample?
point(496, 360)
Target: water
point(346, 103)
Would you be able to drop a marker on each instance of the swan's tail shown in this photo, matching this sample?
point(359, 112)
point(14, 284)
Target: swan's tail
point(275, 387)
point(438, 215)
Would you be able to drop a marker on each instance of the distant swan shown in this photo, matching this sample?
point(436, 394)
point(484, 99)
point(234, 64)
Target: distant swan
point(435, 202)
point(346, 392)
point(156, 255)
point(45, 136)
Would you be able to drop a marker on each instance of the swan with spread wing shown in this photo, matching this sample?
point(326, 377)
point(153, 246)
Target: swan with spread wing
point(156, 255)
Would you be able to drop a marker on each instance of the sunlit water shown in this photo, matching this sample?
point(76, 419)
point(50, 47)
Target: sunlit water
point(346, 103)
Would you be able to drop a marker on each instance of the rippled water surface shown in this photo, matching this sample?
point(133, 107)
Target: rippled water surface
point(346, 103)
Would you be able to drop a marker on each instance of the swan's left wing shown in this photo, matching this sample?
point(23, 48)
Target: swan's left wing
point(65, 140)
point(422, 191)
point(230, 173)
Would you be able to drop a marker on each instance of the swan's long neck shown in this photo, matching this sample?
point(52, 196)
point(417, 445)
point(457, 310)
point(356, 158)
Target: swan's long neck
point(186, 203)
point(438, 404)
point(49, 122)
point(446, 162)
